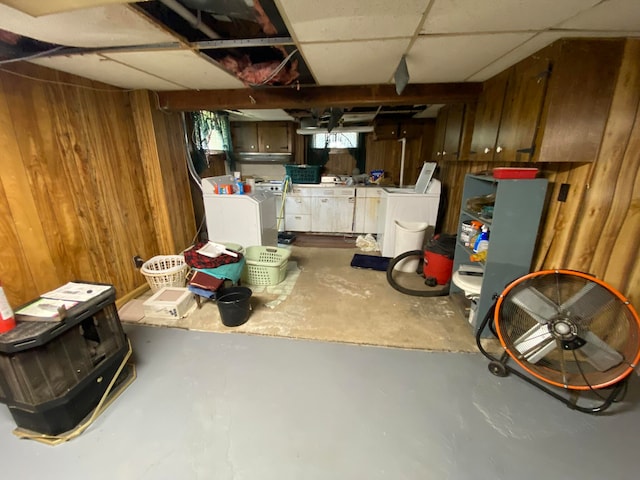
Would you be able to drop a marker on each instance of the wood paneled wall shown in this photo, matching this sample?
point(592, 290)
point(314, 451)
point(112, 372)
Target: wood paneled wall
point(82, 183)
point(387, 154)
point(597, 228)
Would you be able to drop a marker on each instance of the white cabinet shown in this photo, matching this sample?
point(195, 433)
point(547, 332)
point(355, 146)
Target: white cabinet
point(332, 209)
point(320, 209)
point(297, 210)
point(366, 211)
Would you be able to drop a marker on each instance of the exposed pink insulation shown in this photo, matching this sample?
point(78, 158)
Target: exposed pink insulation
point(9, 37)
point(257, 73)
point(260, 73)
point(262, 19)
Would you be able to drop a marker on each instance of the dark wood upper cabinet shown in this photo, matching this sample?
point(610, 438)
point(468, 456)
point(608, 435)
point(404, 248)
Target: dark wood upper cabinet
point(411, 130)
point(395, 130)
point(448, 133)
point(488, 116)
point(578, 100)
point(274, 137)
point(453, 131)
point(263, 137)
point(386, 131)
point(439, 133)
point(550, 107)
point(244, 136)
point(522, 110)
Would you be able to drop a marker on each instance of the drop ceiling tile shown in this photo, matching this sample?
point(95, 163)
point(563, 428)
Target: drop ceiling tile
point(354, 63)
point(611, 15)
point(182, 67)
point(106, 26)
point(531, 46)
point(469, 16)
point(339, 20)
point(456, 58)
point(96, 67)
point(38, 7)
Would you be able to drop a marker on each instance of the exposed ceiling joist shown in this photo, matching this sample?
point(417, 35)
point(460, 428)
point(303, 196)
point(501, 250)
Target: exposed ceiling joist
point(346, 96)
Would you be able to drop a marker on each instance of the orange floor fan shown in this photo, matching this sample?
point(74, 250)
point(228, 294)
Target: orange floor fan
point(569, 334)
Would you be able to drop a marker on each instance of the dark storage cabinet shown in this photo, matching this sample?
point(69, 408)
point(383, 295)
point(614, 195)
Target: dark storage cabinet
point(53, 374)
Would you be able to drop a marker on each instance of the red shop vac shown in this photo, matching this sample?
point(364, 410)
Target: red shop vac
point(436, 266)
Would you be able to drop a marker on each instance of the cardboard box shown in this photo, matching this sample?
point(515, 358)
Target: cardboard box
point(170, 302)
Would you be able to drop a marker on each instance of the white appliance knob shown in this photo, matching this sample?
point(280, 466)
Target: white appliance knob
point(487, 150)
point(499, 149)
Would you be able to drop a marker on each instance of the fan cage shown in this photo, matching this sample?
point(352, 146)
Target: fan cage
point(613, 320)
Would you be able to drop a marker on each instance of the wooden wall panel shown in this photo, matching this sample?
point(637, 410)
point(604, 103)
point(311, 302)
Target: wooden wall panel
point(74, 200)
point(175, 176)
point(387, 154)
point(340, 162)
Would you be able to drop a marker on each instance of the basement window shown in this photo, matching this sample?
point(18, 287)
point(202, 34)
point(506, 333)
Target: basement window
point(335, 140)
point(215, 142)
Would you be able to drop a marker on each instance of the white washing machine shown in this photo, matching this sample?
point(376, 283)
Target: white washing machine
point(412, 204)
point(248, 219)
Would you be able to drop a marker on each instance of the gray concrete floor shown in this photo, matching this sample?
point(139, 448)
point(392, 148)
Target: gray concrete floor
point(209, 405)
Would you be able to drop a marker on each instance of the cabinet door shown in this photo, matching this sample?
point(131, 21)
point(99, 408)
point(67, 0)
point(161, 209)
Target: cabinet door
point(411, 130)
point(244, 136)
point(297, 222)
point(488, 115)
point(522, 110)
point(332, 214)
point(371, 215)
point(578, 100)
point(438, 141)
point(274, 137)
point(297, 205)
point(386, 131)
point(453, 131)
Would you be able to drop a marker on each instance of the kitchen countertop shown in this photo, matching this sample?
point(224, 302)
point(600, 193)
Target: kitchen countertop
point(328, 185)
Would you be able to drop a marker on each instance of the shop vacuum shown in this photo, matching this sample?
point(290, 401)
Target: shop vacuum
point(436, 266)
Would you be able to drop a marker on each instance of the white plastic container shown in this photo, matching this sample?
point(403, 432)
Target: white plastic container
point(169, 302)
point(409, 236)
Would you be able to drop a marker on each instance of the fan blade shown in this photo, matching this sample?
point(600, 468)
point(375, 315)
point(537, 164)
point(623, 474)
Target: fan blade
point(535, 343)
point(587, 302)
point(539, 307)
point(600, 354)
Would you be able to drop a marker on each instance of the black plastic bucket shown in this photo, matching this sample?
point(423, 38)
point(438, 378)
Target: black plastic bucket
point(234, 305)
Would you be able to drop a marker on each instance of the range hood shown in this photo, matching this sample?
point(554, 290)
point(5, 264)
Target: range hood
point(314, 130)
point(260, 157)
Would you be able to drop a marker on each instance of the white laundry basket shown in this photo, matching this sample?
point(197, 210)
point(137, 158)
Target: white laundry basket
point(165, 271)
point(409, 236)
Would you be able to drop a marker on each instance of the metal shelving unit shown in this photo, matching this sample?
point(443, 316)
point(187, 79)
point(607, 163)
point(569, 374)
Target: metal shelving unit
point(513, 233)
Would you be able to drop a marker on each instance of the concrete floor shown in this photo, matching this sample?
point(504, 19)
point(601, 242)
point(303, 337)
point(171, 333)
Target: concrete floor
point(324, 298)
point(209, 405)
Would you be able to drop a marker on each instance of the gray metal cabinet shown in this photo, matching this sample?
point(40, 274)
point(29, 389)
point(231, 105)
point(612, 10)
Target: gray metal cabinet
point(513, 233)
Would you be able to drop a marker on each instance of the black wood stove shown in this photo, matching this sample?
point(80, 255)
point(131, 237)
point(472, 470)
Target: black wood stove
point(54, 373)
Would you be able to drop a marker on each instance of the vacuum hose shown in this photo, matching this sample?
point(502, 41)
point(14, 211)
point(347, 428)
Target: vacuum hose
point(407, 291)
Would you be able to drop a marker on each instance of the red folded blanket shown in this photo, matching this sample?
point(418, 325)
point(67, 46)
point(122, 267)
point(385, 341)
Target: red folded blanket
point(205, 281)
point(197, 260)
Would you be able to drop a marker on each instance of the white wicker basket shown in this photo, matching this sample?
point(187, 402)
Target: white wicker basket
point(165, 271)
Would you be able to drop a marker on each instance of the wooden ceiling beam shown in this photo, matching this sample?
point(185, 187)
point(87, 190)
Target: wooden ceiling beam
point(344, 96)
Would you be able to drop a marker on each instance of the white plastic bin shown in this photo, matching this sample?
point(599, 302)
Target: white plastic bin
point(409, 236)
